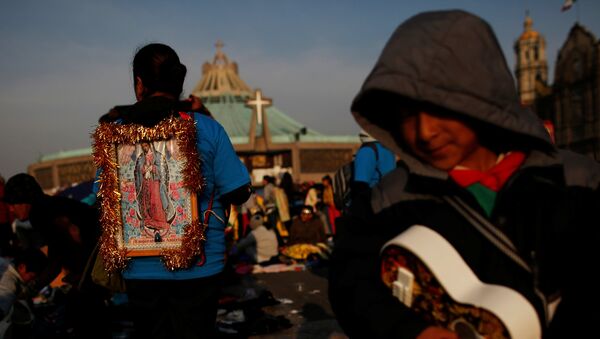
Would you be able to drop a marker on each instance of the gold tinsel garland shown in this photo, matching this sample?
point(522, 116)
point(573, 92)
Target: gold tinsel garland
point(106, 137)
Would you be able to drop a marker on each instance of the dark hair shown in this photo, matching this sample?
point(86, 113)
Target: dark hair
point(22, 188)
point(160, 70)
point(287, 184)
point(34, 260)
point(269, 179)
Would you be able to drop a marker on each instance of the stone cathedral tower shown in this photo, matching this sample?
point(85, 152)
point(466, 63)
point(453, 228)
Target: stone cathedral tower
point(531, 69)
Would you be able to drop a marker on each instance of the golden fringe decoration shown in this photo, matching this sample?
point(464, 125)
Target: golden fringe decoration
point(106, 137)
point(190, 249)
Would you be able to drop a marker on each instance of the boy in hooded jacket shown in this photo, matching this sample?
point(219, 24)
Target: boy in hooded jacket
point(442, 97)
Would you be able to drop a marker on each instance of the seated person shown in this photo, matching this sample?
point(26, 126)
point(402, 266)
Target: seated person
point(68, 227)
point(70, 231)
point(306, 229)
point(261, 243)
point(14, 278)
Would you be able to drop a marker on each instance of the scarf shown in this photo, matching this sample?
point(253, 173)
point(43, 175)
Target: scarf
point(495, 177)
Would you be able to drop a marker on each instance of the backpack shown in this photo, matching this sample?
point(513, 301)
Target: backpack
point(343, 178)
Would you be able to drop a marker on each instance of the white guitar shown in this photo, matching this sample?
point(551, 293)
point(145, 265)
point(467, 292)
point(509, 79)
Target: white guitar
point(428, 275)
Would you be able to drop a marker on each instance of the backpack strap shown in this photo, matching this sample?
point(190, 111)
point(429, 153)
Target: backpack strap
point(506, 246)
point(205, 220)
point(489, 231)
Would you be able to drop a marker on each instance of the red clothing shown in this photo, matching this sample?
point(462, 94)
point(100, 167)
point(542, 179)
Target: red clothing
point(5, 216)
point(153, 212)
point(494, 178)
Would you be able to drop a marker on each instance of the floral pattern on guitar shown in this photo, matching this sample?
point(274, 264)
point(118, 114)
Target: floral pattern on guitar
point(432, 301)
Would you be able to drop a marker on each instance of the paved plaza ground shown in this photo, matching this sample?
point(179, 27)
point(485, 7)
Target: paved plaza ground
point(300, 304)
point(304, 302)
point(290, 304)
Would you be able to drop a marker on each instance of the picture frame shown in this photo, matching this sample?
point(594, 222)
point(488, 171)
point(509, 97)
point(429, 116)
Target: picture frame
point(149, 179)
point(155, 205)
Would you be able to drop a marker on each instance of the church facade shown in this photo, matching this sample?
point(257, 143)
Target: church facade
point(268, 141)
point(571, 105)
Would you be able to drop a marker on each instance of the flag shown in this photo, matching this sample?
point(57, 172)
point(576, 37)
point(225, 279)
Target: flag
point(567, 5)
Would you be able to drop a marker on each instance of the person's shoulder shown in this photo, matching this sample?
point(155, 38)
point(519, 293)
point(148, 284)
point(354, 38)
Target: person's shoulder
point(9, 277)
point(206, 121)
point(383, 149)
point(208, 128)
point(580, 170)
point(66, 201)
point(389, 190)
point(368, 147)
point(316, 221)
point(367, 152)
point(59, 205)
point(4, 263)
point(262, 229)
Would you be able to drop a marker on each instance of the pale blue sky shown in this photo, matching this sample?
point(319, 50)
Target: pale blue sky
point(65, 62)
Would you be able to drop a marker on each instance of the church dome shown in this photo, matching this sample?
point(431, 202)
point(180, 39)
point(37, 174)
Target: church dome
point(528, 32)
point(226, 96)
point(220, 78)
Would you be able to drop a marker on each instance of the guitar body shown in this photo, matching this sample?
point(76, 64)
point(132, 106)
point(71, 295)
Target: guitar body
point(429, 276)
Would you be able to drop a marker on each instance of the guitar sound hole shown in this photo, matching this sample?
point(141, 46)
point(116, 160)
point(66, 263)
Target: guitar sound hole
point(465, 330)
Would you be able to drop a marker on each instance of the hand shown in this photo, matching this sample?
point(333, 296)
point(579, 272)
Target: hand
point(432, 332)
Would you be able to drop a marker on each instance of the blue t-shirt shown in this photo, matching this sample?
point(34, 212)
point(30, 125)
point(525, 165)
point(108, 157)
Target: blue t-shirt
point(223, 172)
point(370, 168)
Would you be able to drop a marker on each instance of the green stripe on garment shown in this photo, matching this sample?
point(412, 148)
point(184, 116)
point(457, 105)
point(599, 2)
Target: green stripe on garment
point(485, 197)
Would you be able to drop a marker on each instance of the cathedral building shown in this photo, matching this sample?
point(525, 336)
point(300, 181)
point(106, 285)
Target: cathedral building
point(267, 140)
point(571, 105)
point(576, 93)
point(531, 69)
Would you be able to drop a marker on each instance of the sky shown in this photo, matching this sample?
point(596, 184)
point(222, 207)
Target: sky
point(63, 63)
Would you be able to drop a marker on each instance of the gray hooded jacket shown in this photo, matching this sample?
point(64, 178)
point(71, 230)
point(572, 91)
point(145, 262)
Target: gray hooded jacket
point(426, 60)
point(451, 59)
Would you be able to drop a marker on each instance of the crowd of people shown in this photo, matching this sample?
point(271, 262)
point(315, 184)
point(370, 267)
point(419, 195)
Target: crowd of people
point(47, 259)
point(45, 266)
point(50, 244)
point(475, 168)
point(282, 215)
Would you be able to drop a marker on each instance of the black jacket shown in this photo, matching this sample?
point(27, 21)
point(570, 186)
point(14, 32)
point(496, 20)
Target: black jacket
point(552, 224)
point(547, 208)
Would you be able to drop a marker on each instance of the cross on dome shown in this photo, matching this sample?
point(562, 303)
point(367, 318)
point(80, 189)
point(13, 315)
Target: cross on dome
point(258, 104)
point(220, 77)
point(220, 57)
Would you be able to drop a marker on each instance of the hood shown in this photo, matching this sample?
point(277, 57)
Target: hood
point(450, 59)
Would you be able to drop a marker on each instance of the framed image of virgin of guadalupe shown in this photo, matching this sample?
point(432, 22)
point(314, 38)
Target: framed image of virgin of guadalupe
point(155, 206)
point(149, 180)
